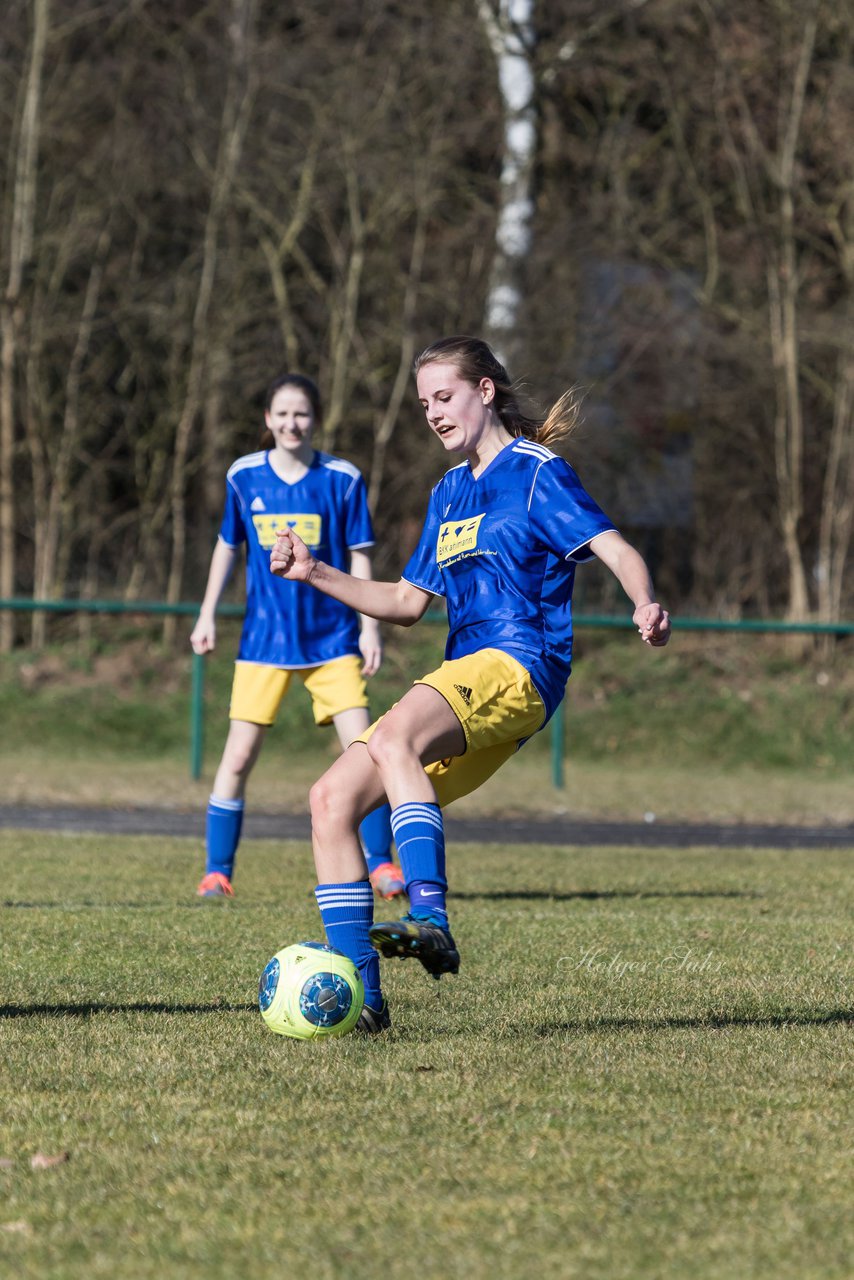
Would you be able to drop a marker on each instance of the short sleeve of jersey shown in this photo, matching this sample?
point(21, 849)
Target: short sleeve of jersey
point(232, 531)
point(358, 529)
point(422, 570)
point(563, 514)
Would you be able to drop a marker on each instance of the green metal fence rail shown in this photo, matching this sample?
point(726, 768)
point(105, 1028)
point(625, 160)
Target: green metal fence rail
point(580, 621)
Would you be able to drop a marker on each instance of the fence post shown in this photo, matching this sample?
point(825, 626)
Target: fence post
point(197, 716)
point(557, 747)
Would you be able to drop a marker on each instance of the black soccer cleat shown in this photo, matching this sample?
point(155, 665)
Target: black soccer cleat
point(372, 1021)
point(420, 939)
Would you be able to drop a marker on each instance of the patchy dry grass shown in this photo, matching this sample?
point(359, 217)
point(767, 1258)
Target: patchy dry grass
point(640, 1072)
point(732, 728)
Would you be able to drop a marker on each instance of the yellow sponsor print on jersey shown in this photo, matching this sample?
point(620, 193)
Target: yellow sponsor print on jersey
point(456, 537)
point(307, 527)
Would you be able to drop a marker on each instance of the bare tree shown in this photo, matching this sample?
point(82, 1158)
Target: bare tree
point(800, 219)
point(236, 112)
point(341, 196)
point(21, 232)
point(53, 519)
point(715, 171)
point(832, 207)
point(775, 168)
point(509, 28)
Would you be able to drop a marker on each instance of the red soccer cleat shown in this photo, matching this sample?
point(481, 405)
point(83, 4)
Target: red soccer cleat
point(215, 885)
point(387, 881)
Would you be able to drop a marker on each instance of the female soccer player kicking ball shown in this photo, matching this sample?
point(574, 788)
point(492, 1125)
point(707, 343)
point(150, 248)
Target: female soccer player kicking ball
point(504, 532)
point(289, 630)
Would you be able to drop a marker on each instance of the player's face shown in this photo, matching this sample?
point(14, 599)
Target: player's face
point(290, 418)
point(459, 413)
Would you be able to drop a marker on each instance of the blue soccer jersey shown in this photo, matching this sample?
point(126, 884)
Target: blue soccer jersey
point(502, 549)
point(290, 624)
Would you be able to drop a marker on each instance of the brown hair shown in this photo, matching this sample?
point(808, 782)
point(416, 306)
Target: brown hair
point(303, 384)
point(474, 359)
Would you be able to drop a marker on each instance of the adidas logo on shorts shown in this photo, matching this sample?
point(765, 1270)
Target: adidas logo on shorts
point(464, 693)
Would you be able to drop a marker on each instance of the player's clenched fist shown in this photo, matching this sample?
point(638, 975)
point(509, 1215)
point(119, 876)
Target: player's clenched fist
point(653, 623)
point(291, 558)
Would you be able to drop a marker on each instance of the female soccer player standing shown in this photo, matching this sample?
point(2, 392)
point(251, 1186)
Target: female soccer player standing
point(503, 534)
point(288, 629)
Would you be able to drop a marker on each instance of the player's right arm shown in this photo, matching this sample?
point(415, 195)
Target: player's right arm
point(399, 602)
point(203, 635)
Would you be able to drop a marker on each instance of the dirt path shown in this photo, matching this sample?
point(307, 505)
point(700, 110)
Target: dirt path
point(568, 831)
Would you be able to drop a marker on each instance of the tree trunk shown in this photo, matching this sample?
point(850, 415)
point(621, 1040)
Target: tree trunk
point(49, 540)
point(788, 432)
point(21, 233)
point(235, 119)
point(388, 421)
point(837, 508)
point(344, 312)
point(510, 31)
point(279, 242)
point(783, 288)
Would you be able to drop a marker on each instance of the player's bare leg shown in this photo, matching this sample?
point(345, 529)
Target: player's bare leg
point(375, 828)
point(348, 790)
point(423, 730)
point(225, 807)
point(239, 755)
point(339, 800)
point(350, 724)
point(418, 731)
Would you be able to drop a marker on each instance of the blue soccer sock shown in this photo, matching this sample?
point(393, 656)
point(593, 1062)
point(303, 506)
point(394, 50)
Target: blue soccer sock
point(222, 834)
point(375, 834)
point(347, 911)
point(419, 834)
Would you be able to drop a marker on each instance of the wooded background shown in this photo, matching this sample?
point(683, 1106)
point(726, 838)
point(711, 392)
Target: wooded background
point(652, 199)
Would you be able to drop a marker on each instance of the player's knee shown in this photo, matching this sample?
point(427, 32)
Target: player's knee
point(329, 807)
point(386, 747)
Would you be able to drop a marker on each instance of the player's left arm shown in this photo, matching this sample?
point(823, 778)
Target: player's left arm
point(370, 639)
point(629, 568)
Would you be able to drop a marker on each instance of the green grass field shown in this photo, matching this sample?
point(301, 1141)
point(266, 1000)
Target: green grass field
point(640, 1071)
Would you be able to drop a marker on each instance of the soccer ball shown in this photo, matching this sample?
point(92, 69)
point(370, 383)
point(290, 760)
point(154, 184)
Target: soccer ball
point(309, 990)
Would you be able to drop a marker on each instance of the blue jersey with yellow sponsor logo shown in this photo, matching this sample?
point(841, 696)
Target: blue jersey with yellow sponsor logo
point(289, 624)
point(502, 549)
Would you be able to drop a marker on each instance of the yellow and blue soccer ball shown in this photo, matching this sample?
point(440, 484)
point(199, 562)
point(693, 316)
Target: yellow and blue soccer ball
point(310, 991)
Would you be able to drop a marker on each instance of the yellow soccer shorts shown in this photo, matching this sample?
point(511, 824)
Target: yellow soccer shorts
point(258, 689)
point(498, 707)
